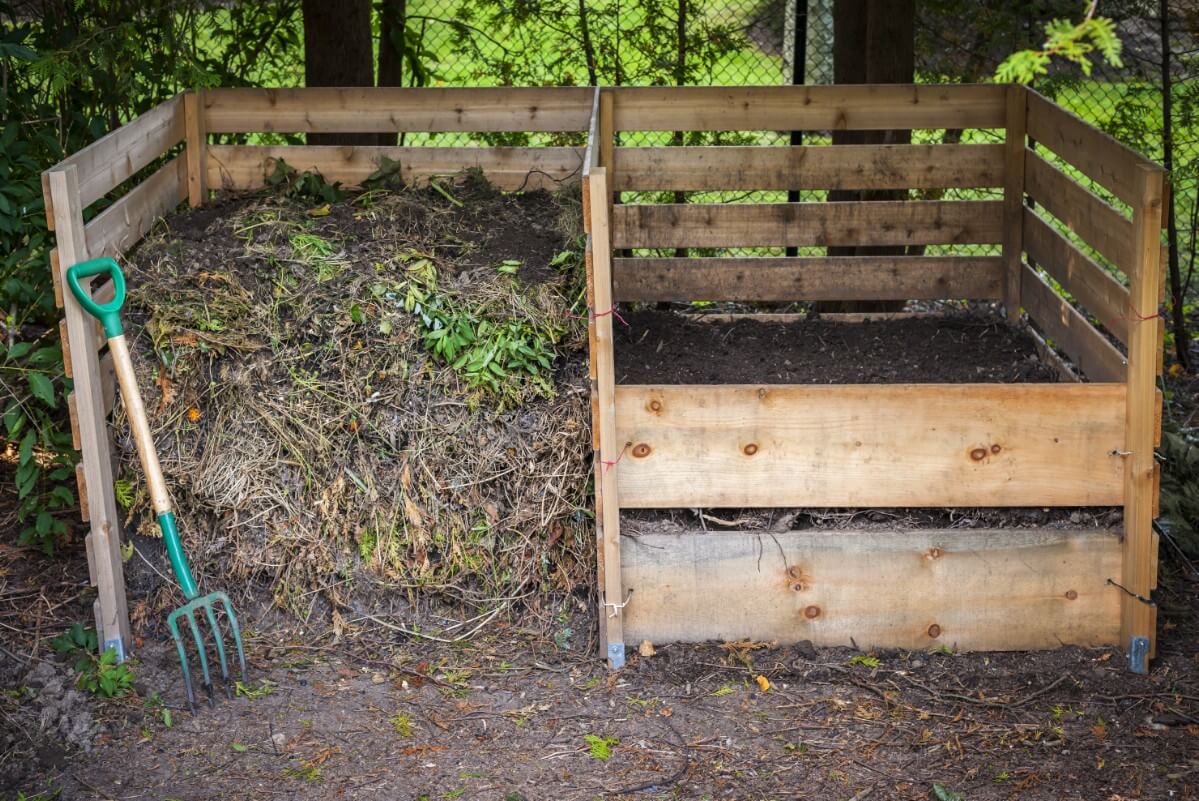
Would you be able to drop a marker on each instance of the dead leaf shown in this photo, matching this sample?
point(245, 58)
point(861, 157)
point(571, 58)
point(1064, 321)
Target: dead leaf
point(763, 683)
point(167, 388)
point(646, 649)
point(413, 513)
point(319, 211)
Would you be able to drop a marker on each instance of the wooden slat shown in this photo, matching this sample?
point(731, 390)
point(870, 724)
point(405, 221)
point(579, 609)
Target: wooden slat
point(916, 222)
point(68, 368)
point(1094, 287)
point(1097, 155)
point(365, 110)
point(611, 448)
point(122, 225)
point(871, 445)
point(1069, 331)
point(1144, 348)
point(1014, 149)
point(95, 468)
point(1084, 213)
point(834, 278)
point(818, 167)
point(113, 159)
point(73, 415)
point(508, 168)
point(807, 108)
point(56, 278)
point(1010, 589)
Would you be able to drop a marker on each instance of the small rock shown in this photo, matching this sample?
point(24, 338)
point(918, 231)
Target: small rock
point(378, 678)
point(279, 739)
point(916, 663)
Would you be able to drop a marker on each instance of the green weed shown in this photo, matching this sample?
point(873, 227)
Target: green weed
point(865, 661)
point(402, 723)
point(100, 675)
point(600, 747)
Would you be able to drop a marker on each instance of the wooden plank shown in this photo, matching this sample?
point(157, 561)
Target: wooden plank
point(389, 109)
point(1014, 149)
point(113, 159)
point(508, 168)
point(1101, 158)
point(1094, 287)
point(123, 224)
point(1089, 350)
point(64, 337)
point(1144, 344)
point(871, 445)
point(807, 108)
point(197, 146)
point(56, 278)
point(108, 384)
point(611, 449)
point(913, 222)
point(73, 415)
point(591, 159)
point(1010, 589)
point(1047, 354)
point(808, 278)
point(104, 540)
point(1084, 213)
point(724, 168)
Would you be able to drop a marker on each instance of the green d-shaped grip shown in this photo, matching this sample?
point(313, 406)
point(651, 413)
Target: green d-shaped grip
point(109, 314)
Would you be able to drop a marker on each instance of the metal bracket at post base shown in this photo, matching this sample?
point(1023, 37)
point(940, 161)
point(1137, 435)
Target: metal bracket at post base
point(1138, 655)
point(117, 646)
point(616, 655)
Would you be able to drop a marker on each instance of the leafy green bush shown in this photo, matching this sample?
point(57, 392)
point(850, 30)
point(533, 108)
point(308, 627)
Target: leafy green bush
point(100, 675)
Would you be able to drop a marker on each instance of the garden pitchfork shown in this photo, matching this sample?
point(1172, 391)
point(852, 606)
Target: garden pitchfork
point(109, 315)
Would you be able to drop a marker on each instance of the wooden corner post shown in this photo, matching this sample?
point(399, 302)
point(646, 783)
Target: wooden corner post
point(197, 148)
point(96, 493)
point(1015, 129)
point(1138, 615)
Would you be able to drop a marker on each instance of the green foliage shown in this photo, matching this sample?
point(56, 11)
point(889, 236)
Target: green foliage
point(866, 661)
point(100, 675)
point(307, 187)
point(600, 747)
point(1064, 39)
point(942, 793)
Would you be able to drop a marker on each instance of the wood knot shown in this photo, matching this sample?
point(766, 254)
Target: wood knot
point(1071, 595)
point(655, 405)
point(750, 449)
point(811, 612)
point(995, 448)
point(978, 454)
point(798, 586)
point(641, 450)
point(762, 393)
point(934, 631)
point(935, 553)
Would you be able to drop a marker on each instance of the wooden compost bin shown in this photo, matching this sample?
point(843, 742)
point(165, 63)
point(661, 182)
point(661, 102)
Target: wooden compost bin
point(917, 445)
point(1070, 444)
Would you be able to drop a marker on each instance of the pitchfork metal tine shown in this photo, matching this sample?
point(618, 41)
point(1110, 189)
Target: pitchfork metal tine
point(191, 622)
point(173, 625)
point(236, 631)
point(218, 640)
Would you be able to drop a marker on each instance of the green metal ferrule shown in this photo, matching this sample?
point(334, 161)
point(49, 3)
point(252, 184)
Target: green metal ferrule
point(183, 572)
point(109, 314)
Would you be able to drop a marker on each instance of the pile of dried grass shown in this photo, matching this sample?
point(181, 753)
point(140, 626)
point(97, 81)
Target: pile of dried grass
point(313, 440)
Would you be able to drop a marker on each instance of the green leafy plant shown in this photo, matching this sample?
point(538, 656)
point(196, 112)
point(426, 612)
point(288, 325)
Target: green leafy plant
point(100, 675)
point(941, 793)
point(600, 747)
point(865, 661)
point(1074, 42)
point(306, 186)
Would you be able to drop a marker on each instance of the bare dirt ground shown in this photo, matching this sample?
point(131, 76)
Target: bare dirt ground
point(513, 714)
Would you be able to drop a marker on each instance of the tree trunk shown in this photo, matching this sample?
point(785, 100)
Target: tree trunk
point(338, 52)
point(873, 42)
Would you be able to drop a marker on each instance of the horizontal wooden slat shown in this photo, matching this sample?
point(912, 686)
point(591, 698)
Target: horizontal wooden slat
point(508, 168)
point(835, 278)
point(1083, 212)
point(818, 167)
point(915, 222)
point(113, 159)
point(870, 445)
point(1097, 155)
point(1010, 589)
point(123, 224)
point(366, 110)
point(1070, 332)
point(821, 108)
point(1094, 287)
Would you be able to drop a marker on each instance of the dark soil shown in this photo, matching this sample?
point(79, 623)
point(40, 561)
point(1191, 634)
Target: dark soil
point(663, 347)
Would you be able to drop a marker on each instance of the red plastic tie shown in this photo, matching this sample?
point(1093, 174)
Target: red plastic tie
point(609, 464)
point(1137, 317)
point(594, 315)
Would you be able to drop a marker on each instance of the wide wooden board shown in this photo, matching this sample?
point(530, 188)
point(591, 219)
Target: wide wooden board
point(717, 168)
point(871, 445)
point(508, 168)
point(1010, 589)
point(808, 278)
point(807, 108)
point(387, 109)
point(122, 225)
point(884, 222)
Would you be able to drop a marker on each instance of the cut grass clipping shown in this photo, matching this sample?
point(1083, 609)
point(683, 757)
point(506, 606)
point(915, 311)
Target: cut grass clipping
point(387, 394)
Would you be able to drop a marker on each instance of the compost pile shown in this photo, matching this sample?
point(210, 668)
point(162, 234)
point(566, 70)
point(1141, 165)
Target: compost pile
point(384, 392)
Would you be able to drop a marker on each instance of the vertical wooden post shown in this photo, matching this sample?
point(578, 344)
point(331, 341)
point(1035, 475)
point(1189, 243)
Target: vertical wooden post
point(197, 148)
point(610, 451)
point(104, 541)
point(1013, 198)
point(1138, 616)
